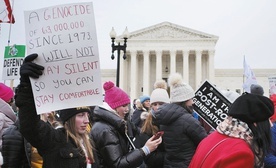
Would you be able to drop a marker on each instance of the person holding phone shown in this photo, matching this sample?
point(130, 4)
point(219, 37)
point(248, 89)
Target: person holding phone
point(110, 132)
point(159, 96)
point(182, 132)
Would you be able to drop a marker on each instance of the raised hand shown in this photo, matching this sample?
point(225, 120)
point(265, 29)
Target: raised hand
point(30, 69)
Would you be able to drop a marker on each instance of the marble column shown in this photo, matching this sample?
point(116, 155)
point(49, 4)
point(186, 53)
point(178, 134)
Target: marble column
point(133, 75)
point(186, 66)
point(158, 65)
point(146, 72)
point(173, 61)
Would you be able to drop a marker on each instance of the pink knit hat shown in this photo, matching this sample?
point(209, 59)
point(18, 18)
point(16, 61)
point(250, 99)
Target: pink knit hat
point(114, 96)
point(6, 93)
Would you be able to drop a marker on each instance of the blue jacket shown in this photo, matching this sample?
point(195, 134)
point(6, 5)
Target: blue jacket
point(270, 159)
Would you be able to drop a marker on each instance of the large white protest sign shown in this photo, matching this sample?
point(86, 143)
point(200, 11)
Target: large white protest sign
point(210, 104)
point(65, 39)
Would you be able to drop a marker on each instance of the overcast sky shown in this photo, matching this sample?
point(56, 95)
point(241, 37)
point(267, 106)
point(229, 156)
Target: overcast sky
point(244, 27)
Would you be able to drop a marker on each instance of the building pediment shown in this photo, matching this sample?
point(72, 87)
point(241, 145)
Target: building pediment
point(167, 30)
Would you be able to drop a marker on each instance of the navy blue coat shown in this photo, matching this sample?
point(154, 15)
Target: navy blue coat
point(182, 134)
point(270, 159)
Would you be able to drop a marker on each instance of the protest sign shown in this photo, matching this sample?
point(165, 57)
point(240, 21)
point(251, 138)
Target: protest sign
point(210, 104)
point(13, 59)
point(272, 85)
point(65, 39)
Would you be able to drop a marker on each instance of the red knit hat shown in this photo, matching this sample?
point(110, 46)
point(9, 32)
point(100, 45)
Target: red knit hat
point(114, 96)
point(6, 93)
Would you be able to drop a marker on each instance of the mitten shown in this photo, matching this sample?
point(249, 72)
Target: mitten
point(30, 69)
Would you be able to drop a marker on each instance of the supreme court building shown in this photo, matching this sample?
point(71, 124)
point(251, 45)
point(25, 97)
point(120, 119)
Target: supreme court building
point(156, 51)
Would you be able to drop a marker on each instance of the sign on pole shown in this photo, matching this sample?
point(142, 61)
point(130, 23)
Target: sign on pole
point(13, 59)
point(65, 39)
point(210, 104)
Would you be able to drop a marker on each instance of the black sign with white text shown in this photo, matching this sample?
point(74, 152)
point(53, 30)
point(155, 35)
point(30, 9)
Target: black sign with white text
point(210, 104)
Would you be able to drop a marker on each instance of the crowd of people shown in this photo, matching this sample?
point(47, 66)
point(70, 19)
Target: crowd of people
point(114, 135)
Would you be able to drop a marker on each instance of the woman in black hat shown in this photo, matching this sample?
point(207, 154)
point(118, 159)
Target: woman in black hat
point(242, 139)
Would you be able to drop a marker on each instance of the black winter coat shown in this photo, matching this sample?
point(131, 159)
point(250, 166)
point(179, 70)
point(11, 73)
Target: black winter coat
point(16, 150)
point(154, 159)
point(182, 134)
point(136, 118)
point(51, 143)
point(112, 145)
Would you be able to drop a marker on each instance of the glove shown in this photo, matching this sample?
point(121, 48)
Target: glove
point(30, 69)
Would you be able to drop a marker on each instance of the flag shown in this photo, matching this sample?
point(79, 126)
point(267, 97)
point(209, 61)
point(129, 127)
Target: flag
point(249, 75)
point(6, 15)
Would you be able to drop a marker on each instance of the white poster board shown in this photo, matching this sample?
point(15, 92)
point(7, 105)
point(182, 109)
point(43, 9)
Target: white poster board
point(65, 39)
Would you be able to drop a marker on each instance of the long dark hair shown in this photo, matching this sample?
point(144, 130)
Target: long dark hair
point(183, 104)
point(261, 142)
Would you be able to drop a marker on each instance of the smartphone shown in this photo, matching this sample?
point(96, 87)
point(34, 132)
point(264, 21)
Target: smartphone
point(158, 135)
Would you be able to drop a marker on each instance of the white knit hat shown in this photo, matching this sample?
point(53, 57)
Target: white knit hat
point(230, 95)
point(159, 94)
point(180, 91)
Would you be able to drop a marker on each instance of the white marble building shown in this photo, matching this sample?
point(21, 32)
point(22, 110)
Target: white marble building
point(155, 52)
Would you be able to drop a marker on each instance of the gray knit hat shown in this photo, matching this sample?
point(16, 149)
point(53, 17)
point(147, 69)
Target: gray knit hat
point(256, 89)
point(180, 91)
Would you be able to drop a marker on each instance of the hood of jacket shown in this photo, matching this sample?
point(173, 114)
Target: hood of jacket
point(110, 117)
point(168, 113)
point(6, 109)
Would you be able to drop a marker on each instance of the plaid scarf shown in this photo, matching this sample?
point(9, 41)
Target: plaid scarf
point(233, 127)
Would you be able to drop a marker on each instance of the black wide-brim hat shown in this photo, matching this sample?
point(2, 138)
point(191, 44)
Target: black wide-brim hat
point(251, 108)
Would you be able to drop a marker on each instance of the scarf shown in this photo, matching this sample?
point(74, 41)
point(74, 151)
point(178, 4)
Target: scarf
point(236, 128)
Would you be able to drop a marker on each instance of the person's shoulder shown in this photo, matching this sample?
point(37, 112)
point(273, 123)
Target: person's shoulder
point(101, 125)
point(2, 116)
point(237, 145)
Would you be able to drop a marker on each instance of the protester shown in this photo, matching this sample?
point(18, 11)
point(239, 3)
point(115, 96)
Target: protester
point(182, 132)
point(110, 134)
point(242, 139)
point(17, 151)
point(270, 159)
point(7, 115)
point(134, 104)
point(141, 111)
point(158, 97)
point(1, 160)
point(256, 89)
point(67, 147)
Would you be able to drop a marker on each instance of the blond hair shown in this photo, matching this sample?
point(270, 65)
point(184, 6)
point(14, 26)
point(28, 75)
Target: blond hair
point(87, 142)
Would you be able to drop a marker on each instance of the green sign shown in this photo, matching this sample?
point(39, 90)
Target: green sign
point(15, 51)
point(13, 58)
